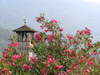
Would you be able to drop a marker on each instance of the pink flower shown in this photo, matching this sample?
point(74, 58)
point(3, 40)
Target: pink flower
point(40, 38)
point(88, 31)
point(7, 48)
point(50, 37)
point(86, 28)
point(7, 63)
point(83, 60)
point(28, 47)
point(12, 60)
point(9, 44)
point(49, 56)
point(42, 26)
point(59, 67)
point(54, 21)
point(17, 43)
point(28, 68)
point(43, 18)
point(75, 55)
point(75, 68)
point(16, 56)
point(68, 71)
point(87, 70)
point(48, 65)
point(65, 73)
point(9, 72)
point(70, 42)
point(69, 37)
point(95, 53)
point(37, 35)
point(64, 51)
point(4, 54)
point(24, 66)
point(90, 62)
point(4, 70)
point(46, 69)
point(34, 73)
point(37, 20)
point(81, 33)
point(65, 54)
point(76, 41)
point(68, 50)
point(33, 43)
point(13, 64)
point(45, 30)
point(49, 60)
point(82, 57)
point(36, 59)
point(86, 73)
point(61, 29)
point(62, 74)
point(43, 71)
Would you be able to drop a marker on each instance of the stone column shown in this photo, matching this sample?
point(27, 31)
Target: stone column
point(21, 37)
point(30, 54)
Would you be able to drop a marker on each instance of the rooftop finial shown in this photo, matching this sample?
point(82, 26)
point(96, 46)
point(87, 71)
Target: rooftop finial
point(25, 22)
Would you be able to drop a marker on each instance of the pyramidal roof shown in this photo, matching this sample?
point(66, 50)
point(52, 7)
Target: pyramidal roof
point(24, 28)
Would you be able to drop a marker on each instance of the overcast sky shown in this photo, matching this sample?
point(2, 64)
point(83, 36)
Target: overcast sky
point(97, 1)
point(72, 15)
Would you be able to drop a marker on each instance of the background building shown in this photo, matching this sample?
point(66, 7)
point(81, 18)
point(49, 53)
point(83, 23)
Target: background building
point(24, 35)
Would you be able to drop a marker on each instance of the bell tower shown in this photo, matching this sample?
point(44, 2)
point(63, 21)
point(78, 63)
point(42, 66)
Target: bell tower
point(24, 35)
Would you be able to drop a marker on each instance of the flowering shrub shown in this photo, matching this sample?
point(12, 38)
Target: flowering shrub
point(56, 54)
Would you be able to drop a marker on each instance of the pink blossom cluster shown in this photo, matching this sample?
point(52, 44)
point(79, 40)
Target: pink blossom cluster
point(33, 60)
point(54, 21)
point(87, 31)
point(33, 43)
point(40, 18)
point(15, 44)
point(65, 73)
point(4, 54)
point(15, 57)
point(59, 66)
point(82, 59)
point(75, 66)
point(46, 30)
point(69, 37)
point(27, 67)
point(42, 26)
point(4, 70)
point(44, 72)
point(61, 29)
point(90, 61)
point(38, 36)
point(50, 37)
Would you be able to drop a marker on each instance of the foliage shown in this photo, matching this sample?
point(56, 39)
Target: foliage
point(56, 54)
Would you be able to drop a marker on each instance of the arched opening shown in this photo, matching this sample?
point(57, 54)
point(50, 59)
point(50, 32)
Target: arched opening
point(19, 37)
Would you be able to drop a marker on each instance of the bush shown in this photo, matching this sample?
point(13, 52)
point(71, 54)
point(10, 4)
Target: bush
point(56, 54)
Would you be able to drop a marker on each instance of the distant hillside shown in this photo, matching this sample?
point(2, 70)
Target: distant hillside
point(4, 36)
point(13, 13)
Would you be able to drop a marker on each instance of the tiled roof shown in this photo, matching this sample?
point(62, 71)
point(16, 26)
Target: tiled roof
point(24, 28)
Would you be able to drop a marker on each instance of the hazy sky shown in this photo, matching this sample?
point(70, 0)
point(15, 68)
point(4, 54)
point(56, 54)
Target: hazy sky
point(70, 14)
point(97, 1)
